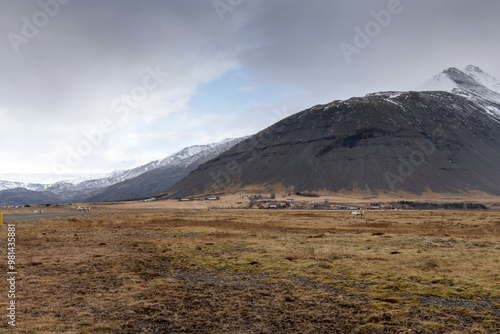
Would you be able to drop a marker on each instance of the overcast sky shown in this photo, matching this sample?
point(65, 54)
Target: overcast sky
point(95, 86)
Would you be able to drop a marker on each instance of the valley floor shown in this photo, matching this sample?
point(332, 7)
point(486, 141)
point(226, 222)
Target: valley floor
point(258, 271)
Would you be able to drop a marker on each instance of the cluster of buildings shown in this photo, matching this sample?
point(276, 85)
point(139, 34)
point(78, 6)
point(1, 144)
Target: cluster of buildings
point(304, 205)
point(253, 197)
point(326, 207)
point(211, 198)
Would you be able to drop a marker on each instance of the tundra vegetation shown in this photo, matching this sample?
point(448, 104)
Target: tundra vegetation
point(259, 271)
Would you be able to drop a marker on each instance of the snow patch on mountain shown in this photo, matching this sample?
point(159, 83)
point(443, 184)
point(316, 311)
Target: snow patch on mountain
point(440, 82)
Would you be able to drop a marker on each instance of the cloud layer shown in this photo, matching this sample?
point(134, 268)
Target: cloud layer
point(227, 68)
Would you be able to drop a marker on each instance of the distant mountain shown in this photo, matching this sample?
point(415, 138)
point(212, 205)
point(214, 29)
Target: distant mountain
point(82, 191)
point(443, 139)
point(161, 178)
point(22, 196)
point(76, 188)
point(39, 182)
point(4, 185)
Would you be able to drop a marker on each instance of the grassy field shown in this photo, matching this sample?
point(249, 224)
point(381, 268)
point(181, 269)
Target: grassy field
point(258, 271)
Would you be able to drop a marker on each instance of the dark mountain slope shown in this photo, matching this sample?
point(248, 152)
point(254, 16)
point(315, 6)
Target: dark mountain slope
point(384, 142)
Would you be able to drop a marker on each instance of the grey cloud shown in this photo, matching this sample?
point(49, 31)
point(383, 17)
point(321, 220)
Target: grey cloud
point(93, 51)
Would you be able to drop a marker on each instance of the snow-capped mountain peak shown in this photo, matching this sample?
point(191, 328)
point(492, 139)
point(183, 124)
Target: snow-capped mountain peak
point(483, 78)
point(471, 83)
point(452, 79)
point(464, 82)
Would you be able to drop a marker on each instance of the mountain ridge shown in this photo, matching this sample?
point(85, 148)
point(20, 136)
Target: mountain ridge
point(72, 191)
point(153, 182)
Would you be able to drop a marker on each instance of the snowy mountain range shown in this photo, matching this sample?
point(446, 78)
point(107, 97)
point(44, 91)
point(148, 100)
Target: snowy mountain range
point(40, 182)
point(80, 187)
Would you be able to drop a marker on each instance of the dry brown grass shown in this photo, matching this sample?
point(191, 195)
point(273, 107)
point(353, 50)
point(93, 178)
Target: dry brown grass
point(248, 271)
